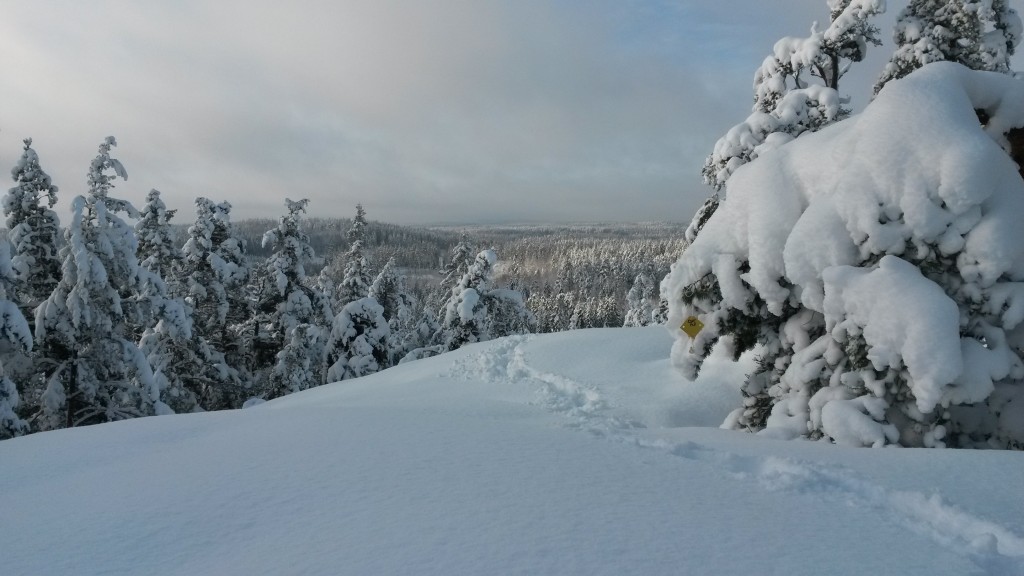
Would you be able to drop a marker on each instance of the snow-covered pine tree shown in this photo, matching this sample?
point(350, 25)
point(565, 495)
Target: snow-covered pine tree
point(290, 304)
point(33, 229)
point(356, 281)
point(786, 105)
point(980, 34)
point(15, 335)
point(879, 272)
point(97, 373)
point(388, 289)
point(158, 247)
point(423, 340)
point(358, 344)
point(459, 261)
point(298, 363)
point(475, 312)
point(213, 278)
point(639, 311)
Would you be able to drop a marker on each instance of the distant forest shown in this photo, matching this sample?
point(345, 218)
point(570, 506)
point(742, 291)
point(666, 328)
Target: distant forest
point(571, 275)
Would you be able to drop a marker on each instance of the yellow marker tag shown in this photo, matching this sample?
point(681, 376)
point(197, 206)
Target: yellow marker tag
point(692, 326)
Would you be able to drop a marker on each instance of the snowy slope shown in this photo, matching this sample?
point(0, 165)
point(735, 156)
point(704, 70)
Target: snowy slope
point(572, 453)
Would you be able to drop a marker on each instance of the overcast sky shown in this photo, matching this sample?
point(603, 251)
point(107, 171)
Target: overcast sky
point(453, 111)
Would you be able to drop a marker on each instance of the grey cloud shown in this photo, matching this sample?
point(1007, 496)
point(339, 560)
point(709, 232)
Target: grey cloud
point(425, 111)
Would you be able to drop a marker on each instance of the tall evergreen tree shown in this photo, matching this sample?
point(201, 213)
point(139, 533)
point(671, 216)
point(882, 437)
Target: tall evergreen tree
point(639, 311)
point(459, 261)
point(213, 279)
point(33, 229)
point(98, 373)
point(158, 249)
point(14, 334)
point(356, 281)
point(290, 303)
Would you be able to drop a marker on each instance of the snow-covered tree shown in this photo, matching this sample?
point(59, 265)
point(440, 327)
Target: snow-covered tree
point(298, 363)
point(358, 344)
point(475, 312)
point(388, 289)
point(213, 277)
point(14, 335)
point(356, 281)
point(876, 269)
point(290, 302)
point(459, 261)
point(33, 229)
point(423, 340)
point(786, 103)
point(158, 248)
point(980, 34)
point(98, 373)
point(639, 311)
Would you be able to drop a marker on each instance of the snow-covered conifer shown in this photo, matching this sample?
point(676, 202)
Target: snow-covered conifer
point(33, 229)
point(158, 250)
point(475, 312)
point(358, 344)
point(213, 277)
point(298, 363)
point(423, 340)
point(876, 265)
point(388, 289)
point(980, 34)
point(458, 263)
point(14, 335)
point(356, 281)
point(639, 311)
point(290, 300)
point(81, 326)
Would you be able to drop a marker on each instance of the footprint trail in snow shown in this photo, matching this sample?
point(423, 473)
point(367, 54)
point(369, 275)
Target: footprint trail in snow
point(995, 549)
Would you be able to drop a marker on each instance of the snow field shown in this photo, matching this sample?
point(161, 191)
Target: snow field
point(474, 462)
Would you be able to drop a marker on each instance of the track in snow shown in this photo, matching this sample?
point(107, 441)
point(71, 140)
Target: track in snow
point(994, 548)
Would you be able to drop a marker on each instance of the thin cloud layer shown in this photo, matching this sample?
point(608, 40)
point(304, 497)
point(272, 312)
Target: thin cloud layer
point(436, 111)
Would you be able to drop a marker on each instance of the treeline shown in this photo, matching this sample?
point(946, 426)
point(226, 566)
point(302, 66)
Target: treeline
point(123, 313)
point(104, 320)
point(571, 276)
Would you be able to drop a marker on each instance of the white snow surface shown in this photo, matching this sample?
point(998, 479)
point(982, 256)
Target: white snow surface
point(573, 453)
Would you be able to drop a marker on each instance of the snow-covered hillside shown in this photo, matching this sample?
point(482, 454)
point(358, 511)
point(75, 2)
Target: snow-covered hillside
point(572, 453)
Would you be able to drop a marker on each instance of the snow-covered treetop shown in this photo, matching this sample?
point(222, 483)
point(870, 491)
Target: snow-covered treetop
point(158, 250)
point(32, 184)
point(100, 183)
point(980, 34)
point(357, 233)
point(786, 105)
point(291, 247)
